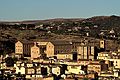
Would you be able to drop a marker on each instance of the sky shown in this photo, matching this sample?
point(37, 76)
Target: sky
point(49, 9)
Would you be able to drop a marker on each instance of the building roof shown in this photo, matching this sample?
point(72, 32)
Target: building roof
point(26, 42)
point(61, 42)
point(96, 63)
point(42, 43)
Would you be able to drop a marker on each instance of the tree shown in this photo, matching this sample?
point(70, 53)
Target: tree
point(9, 61)
point(85, 79)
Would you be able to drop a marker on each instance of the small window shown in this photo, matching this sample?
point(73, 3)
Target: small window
point(37, 51)
point(101, 42)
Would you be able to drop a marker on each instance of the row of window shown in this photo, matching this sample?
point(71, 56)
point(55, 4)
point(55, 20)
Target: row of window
point(35, 51)
point(18, 50)
point(96, 67)
point(61, 51)
point(18, 46)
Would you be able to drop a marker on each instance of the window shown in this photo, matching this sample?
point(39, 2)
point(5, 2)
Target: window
point(101, 42)
point(74, 67)
point(66, 56)
point(37, 51)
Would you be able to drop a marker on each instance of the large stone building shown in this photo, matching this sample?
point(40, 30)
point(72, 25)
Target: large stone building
point(86, 52)
point(65, 49)
point(23, 48)
point(19, 47)
point(75, 44)
point(35, 51)
point(46, 48)
point(62, 47)
point(29, 49)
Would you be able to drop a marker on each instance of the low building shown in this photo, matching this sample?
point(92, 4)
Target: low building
point(64, 56)
point(20, 70)
point(56, 70)
point(92, 76)
point(116, 62)
point(103, 55)
point(84, 62)
point(74, 69)
point(97, 67)
point(30, 70)
point(39, 77)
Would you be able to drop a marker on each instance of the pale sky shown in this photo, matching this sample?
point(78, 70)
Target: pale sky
point(48, 9)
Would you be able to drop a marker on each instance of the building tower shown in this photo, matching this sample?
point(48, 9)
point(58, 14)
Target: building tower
point(102, 44)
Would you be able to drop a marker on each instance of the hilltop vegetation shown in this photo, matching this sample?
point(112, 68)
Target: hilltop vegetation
point(36, 28)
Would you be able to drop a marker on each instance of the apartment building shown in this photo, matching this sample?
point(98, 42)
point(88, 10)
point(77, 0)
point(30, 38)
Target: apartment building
point(97, 67)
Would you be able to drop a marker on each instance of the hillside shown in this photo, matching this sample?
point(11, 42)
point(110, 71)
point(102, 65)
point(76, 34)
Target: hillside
point(52, 29)
point(106, 21)
point(76, 26)
point(103, 21)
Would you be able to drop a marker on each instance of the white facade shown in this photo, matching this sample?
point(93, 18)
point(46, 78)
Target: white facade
point(103, 55)
point(74, 69)
point(35, 52)
point(20, 70)
point(18, 48)
point(102, 44)
point(56, 70)
point(116, 62)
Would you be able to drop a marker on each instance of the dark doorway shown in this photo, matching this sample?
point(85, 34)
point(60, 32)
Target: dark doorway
point(43, 71)
point(75, 56)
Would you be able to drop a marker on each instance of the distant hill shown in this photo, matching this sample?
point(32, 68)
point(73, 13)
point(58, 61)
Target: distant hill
point(102, 21)
point(106, 21)
point(43, 21)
